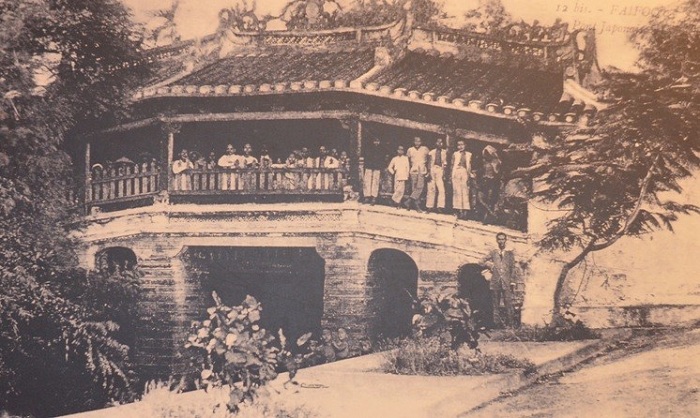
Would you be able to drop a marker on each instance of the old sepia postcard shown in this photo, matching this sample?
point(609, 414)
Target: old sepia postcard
point(349, 208)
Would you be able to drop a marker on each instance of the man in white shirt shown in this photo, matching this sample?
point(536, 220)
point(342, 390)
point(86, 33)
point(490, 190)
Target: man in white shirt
point(418, 157)
point(249, 161)
point(304, 160)
point(181, 179)
point(437, 161)
point(399, 167)
point(230, 160)
point(461, 173)
point(323, 180)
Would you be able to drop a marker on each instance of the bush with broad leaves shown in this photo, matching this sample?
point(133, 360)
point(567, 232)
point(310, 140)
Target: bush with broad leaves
point(446, 314)
point(234, 350)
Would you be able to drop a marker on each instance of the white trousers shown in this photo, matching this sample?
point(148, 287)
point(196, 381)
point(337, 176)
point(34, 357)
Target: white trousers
point(436, 188)
point(460, 188)
point(370, 183)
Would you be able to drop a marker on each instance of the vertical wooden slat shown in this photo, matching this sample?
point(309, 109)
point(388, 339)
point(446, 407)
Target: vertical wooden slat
point(88, 180)
point(170, 154)
point(153, 177)
point(112, 193)
point(129, 182)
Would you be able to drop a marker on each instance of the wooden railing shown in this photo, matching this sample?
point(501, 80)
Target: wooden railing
point(122, 182)
point(259, 181)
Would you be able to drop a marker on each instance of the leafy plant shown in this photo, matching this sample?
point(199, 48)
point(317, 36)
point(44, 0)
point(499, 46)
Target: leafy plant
point(234, 350)
point(446, 313)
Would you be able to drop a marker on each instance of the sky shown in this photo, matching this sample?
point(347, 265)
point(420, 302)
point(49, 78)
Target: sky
point(611, 18)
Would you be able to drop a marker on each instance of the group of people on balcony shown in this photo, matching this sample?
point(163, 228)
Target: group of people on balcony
point(237, 171)
point(326, 158)
point(427, 173)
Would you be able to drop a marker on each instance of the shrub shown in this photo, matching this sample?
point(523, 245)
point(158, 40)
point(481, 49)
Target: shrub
point(234, 350)
point(446, 313)
point(570, 331)
point(65, 330)
point(432, 356)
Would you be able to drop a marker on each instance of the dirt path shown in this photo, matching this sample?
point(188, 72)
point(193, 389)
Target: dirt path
point(651, 376)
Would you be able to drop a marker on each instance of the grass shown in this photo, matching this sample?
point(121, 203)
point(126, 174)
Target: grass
point(432, 357)
point(160, 401)
point(573, 331)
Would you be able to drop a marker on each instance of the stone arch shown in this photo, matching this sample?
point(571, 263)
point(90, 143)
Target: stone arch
point(287, 281)
point(473, 287)
point(393, 283)
point(116, 258)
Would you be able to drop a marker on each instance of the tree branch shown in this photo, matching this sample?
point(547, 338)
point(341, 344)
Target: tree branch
point(646, 182)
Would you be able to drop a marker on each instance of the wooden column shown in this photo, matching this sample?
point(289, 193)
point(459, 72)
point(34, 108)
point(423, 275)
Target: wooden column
point(167, 155)
point(170, 151)
point(88, 179)
point(360, 158)
point(448, 142)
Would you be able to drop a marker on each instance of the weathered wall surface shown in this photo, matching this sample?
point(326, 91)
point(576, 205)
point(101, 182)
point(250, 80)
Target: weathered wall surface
point(649, 284)
point(344, 235)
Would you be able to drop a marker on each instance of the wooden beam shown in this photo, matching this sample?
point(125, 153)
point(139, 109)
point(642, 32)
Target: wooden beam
point(311, 115)
point(431, 127)
point(253, 116)
point(125, 127)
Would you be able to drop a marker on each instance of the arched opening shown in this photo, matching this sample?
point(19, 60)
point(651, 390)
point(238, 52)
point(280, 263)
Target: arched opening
point(287, 281)
point(115, 259)
point(475, 289)
point(117, 281)
point(394, 277)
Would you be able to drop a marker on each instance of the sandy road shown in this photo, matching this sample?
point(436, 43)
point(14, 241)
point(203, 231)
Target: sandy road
point(654, 376)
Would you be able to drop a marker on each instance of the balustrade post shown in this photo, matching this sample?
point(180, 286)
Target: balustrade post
point(167, 155)
point(88, 180)
point(360, 158)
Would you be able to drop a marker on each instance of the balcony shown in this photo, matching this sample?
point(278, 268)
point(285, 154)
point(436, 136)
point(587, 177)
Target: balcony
point(121, 186)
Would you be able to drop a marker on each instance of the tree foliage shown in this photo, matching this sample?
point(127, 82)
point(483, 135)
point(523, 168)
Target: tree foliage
point(59, 69)
point(623, 175)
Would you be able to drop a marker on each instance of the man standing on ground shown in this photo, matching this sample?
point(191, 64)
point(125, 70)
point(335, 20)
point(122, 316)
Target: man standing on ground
point(399, 167)
point(418, 157)
point(437, 161)
point(374, 164)
point(501, 263)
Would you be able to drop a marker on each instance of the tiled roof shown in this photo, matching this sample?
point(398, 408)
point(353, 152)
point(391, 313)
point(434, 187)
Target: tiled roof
point(284, 65)
point(430, 77)
point(454, 78)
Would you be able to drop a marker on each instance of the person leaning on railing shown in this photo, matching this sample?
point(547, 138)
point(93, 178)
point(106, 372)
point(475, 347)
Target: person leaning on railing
point(230, 160)
point(181, 181)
